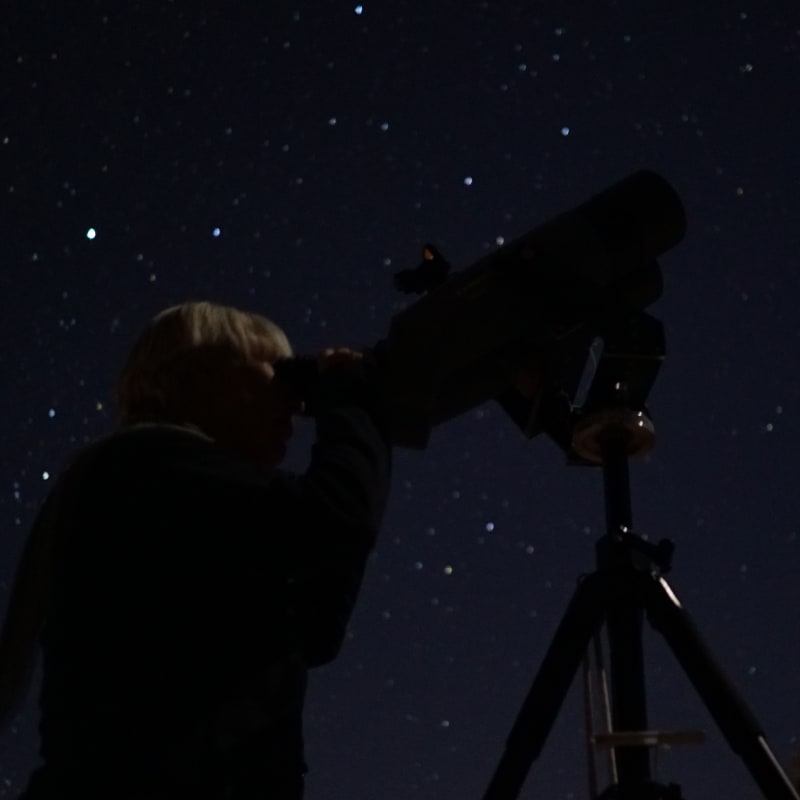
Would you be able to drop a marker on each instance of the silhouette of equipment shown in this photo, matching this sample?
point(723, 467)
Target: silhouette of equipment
point(607, 430)
point(553, 327)
point(534, 305)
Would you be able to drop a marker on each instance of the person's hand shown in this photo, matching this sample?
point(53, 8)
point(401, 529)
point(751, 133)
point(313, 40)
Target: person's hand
point(332, 357)
point(346, 378)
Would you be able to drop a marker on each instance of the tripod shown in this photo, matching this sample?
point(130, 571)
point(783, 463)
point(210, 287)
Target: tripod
point(627, 584)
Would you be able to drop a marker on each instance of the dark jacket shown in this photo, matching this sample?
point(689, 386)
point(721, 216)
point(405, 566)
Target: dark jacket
point(191, 591)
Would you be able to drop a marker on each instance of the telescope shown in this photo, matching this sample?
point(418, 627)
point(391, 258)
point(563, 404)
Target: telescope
point(553, 326)
point(520, 325)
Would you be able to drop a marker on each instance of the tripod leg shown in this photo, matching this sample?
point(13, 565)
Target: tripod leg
point(581, 621)
point(718, 693)
point(628, 693)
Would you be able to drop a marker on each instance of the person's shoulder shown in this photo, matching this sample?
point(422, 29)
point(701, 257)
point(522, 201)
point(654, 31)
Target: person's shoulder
point(142, 441)
point(163, 452)
point(155, 434)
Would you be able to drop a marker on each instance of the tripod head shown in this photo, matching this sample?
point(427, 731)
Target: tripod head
point(587, 405)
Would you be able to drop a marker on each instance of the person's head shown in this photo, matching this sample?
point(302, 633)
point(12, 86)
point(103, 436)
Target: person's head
point(211, 366)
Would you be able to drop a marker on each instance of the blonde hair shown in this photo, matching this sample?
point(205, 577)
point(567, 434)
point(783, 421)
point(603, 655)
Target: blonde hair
point(181, 342)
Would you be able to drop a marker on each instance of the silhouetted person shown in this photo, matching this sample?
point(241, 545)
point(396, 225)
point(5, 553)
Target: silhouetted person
point(180, 584)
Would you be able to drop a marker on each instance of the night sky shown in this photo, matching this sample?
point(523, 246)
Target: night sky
point(288, 158)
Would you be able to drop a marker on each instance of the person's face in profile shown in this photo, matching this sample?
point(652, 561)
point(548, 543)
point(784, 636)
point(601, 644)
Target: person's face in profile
point(262, 409)
point(246, 409)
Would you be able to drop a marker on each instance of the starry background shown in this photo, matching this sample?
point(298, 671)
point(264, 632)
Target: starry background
point(289, 158)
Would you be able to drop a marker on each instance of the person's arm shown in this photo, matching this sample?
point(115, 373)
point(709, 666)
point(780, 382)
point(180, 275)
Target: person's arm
point(351, 459)
point(338, 507)
point(30, 592)
point(314, 529)
point(24, 616)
